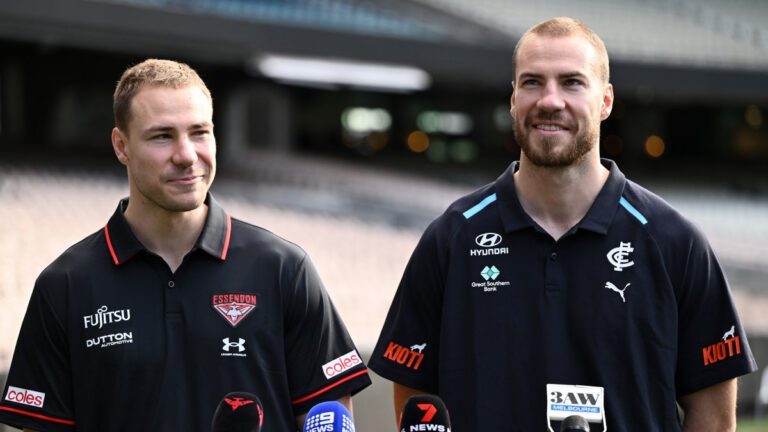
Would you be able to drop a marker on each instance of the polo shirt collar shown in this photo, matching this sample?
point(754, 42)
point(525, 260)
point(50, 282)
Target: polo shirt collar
point(597, 219)
point(214, 239)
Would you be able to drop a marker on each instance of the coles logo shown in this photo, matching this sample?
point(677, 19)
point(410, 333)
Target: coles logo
point(26, 397)
point(341, 364)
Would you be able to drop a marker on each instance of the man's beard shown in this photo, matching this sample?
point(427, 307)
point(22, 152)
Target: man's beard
point(542, 155)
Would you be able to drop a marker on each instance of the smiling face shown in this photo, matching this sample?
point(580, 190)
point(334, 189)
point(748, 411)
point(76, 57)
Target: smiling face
point(168, 148)
point(558, 100)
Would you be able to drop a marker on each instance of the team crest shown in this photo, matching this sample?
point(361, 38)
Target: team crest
point(234, 307)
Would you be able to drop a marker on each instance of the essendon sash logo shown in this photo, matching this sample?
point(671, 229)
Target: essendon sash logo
point(729, 347)
point(409, 357)
point(234, 307)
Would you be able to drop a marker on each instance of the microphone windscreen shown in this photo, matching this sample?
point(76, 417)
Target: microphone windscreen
point(425, 413)
point(574, 423)
point(238, 412)
point(329, 417)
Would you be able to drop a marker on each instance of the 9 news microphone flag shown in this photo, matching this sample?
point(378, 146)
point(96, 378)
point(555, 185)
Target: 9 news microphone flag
point(425, 413)
point(238, 412)
point(329, 417)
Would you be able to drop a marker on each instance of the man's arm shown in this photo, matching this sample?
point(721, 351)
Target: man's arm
point(344, 400)
point(711, 409)
point(401, 396)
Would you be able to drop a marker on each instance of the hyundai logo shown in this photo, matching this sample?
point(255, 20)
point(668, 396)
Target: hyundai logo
point(488, 239)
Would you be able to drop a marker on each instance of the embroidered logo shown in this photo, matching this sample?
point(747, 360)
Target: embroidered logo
point(729, 346)
point(613, 287)
point(240, 344)
point(234, 307)
point(618, 256)
point(490, 273)
point(24, 396)
point(408, 357)
point(488, 240)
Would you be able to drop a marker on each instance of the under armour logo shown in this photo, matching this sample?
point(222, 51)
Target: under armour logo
point(618, 256)
point(240, 344)
point(237, 402)
point(613, 287)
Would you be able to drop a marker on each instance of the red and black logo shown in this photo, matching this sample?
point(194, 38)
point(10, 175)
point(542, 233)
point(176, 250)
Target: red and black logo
point(429, 412)
point(237, 402)
point(234, 307)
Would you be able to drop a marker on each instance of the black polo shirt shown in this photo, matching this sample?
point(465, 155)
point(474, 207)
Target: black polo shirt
point(491, 309)
point(114, 341)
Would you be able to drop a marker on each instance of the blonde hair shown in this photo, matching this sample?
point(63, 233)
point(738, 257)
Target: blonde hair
point(564, 26)
point(151, 72)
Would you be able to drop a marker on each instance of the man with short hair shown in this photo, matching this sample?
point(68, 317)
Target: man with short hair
point(146, 324)
point(563, 287)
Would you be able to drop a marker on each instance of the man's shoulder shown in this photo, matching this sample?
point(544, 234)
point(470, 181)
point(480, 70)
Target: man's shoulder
point(256, 239)
point(662, 220)
point(83, 257)
point(464, 211)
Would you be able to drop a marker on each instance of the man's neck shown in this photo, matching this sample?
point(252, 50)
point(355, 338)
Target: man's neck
point(171, 235)
point(559, 198)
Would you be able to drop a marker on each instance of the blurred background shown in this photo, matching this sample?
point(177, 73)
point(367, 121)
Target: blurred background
point(346, 126)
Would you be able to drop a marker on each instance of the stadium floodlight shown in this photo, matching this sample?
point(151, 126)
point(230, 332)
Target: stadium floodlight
point(336, 72)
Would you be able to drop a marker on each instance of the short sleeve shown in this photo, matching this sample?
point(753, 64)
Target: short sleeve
point(323, 363)
point(712, 344)
point(38, 391)
point(407, 350)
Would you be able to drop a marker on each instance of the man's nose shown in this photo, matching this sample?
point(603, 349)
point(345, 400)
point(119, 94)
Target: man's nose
point(185, 153)
point(551, 98)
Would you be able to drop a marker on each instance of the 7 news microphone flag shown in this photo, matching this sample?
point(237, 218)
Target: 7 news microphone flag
point(238, 412)
point(425, 413)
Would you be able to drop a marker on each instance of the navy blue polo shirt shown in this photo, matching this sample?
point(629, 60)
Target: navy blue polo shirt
point(114, 341)
point(491, 309)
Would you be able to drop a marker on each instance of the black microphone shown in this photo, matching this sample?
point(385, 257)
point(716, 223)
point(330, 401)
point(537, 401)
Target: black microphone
point(238, 412)
point(425, 413)
point(574, 423)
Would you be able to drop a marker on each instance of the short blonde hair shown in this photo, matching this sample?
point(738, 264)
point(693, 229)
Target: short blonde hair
point(151, 72)
point(564, 26)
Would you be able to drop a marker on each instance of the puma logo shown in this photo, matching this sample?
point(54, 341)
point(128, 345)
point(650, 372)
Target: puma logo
point(730, 333)
point(419, 348)
point(613, 287)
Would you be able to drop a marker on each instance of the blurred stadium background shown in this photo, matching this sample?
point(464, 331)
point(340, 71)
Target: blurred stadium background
point(346, 126)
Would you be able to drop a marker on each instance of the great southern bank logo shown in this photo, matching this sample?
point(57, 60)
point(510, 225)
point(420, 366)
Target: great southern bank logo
point(488, 242)
point(490, 273)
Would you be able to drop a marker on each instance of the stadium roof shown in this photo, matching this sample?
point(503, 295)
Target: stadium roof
point(674, 48)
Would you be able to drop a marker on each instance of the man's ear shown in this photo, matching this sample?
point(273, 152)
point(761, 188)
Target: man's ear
point(607, 103)
point(512, 100)
point(119, 145)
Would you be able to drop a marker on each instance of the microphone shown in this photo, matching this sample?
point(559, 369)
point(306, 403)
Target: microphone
point(425, 413)
point(238, 412)
point(329, 417)
point(574, 423)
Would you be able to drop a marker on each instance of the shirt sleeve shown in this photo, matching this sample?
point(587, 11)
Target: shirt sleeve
point(38, 391)
point(408, 347)
point(712, 344)
point(322, 361)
